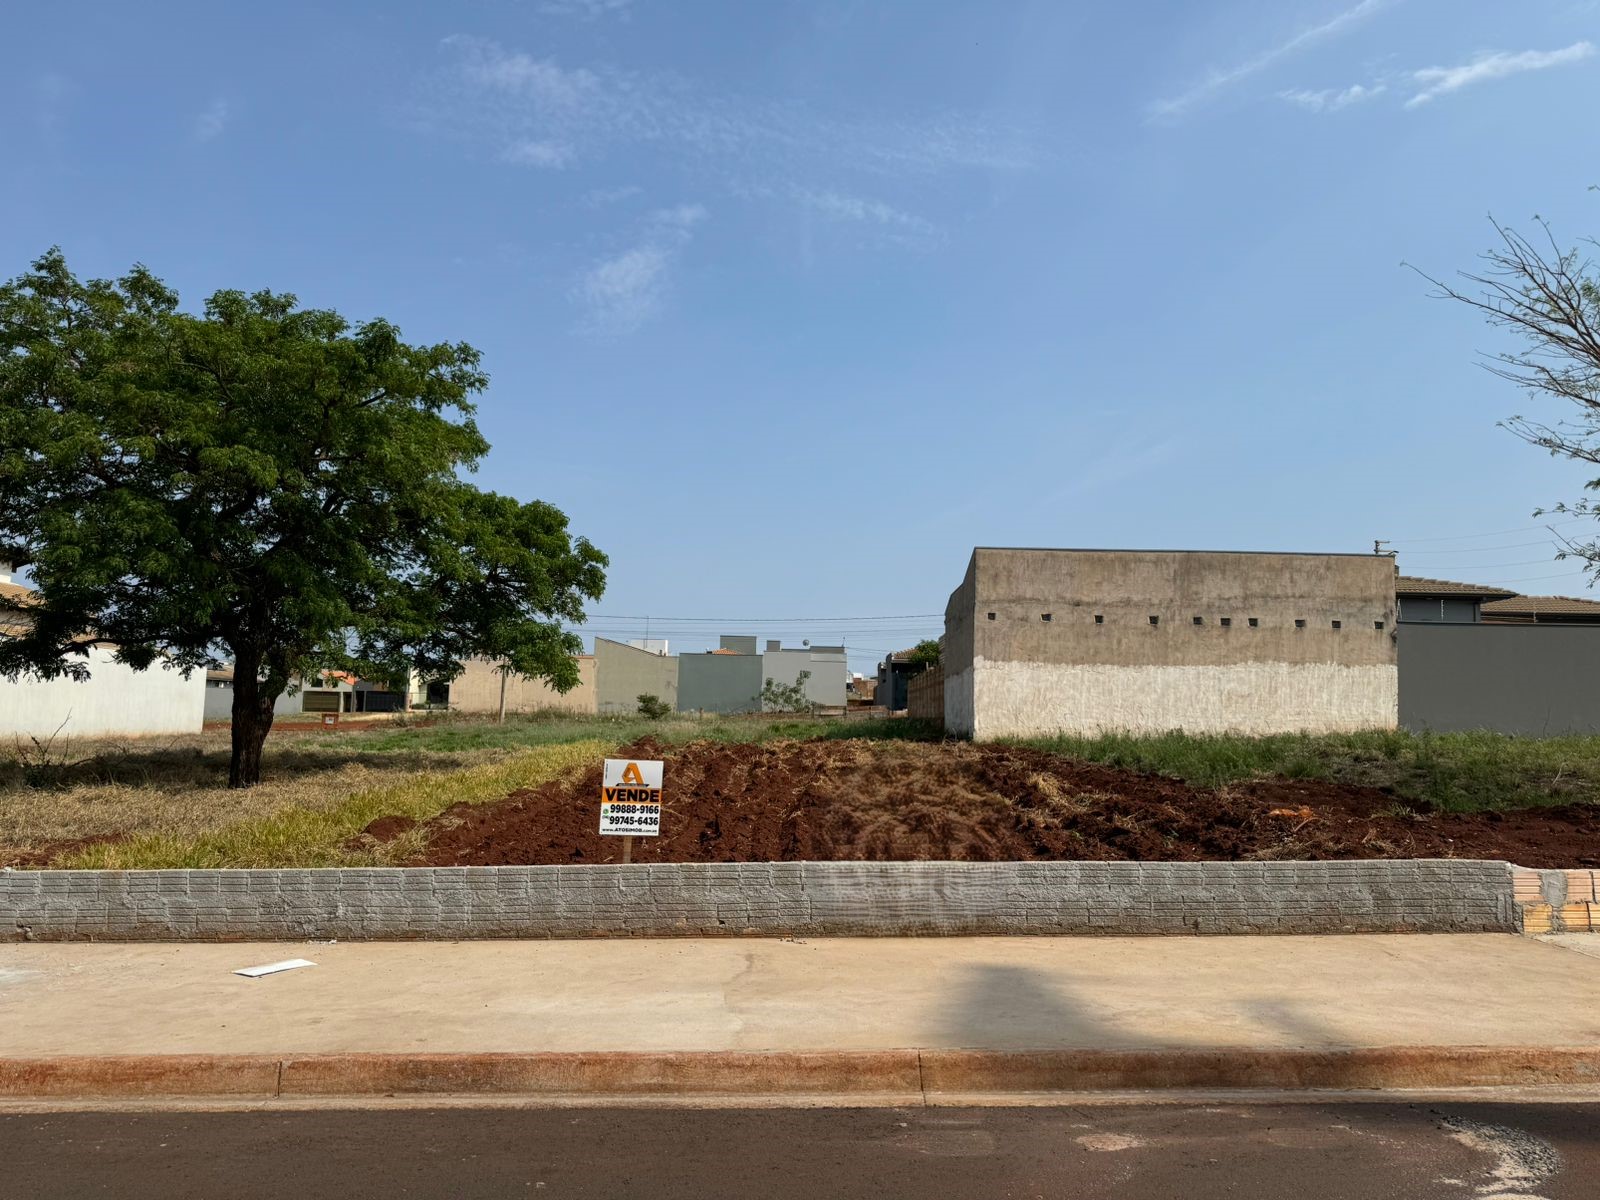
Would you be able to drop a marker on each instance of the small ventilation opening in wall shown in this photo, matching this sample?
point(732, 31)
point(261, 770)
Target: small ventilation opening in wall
point(1225, 622)
point(1377, 624)
point(1155, 620)
point(1099, 618)
point(1044, 616)
point(1299, 622)
point(991, 616)
point(1199, 620)
point(1254, 621)
point(1338, 624)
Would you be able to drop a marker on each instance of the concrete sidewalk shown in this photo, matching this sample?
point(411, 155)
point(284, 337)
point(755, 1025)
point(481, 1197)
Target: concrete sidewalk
point(832, 1015)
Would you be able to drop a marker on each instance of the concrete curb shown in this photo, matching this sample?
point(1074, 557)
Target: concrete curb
point(843, 1074)
point(849, 899)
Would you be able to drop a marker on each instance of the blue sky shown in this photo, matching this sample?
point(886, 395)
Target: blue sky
point(789, 305)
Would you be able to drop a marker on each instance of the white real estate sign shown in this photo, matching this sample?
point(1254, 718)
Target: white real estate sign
point(630, 798)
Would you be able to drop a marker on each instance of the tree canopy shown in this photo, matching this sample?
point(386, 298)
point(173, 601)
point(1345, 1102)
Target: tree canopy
point(262, 484)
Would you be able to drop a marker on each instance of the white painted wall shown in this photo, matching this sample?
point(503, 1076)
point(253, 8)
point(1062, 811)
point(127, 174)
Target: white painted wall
point(1011, 699)
point(958, 703)
point(116, 699)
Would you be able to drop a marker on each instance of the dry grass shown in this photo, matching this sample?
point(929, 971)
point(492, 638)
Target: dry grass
point(325, 833)
point(176, 786)
point(171, 791)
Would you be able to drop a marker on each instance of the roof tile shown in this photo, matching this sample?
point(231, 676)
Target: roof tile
point(1417, 585)
point(1529, 606)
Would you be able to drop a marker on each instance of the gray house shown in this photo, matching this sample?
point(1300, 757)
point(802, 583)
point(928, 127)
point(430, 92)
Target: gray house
point(730, 678)
point(1442, 601)
point(1475, 657)
point(725, 680)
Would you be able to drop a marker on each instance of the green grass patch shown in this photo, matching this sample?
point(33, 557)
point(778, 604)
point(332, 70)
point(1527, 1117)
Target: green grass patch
point(306, 837)
point(1455, 772)
point(453, 735)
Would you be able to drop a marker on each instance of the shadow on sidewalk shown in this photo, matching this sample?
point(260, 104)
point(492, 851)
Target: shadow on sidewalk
point(1011, 1007)
point(1007, 1007)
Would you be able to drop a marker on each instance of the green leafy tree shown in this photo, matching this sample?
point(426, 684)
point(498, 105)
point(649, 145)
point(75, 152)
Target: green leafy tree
point(925, 652)
point(264, 484)
point(786, 697)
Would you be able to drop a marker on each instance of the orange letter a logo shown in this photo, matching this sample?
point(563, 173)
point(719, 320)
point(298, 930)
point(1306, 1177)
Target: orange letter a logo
point(630, 774)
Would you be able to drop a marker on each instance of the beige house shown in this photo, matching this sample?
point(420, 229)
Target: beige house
point(477, 690)
point(624, 672)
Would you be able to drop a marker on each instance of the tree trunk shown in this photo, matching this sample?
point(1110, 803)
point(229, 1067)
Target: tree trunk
point(502, 695)
point(252, 721)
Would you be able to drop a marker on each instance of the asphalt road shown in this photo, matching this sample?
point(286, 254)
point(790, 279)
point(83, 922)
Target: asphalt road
point(1300, 1151)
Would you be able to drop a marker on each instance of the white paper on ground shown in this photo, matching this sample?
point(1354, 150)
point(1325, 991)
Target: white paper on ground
point(287, 964)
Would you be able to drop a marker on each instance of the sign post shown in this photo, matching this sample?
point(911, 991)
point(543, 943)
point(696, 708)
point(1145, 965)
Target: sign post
point(630, 800)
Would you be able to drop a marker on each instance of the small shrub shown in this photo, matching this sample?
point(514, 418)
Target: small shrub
point(653, 706)
point(43, 761)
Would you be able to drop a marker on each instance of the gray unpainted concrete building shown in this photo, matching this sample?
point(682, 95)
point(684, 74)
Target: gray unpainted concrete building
point(719, 682)
point(730, 679)
point(1087, 641)
point(830, 674)
point(622, 673)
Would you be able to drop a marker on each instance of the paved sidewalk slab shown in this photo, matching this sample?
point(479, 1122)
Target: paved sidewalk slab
point(644, 1014)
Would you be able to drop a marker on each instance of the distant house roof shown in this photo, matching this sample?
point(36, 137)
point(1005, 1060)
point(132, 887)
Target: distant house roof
point(722, 651)
point(1532, 608)
point(10, 625)
point(1416, 585)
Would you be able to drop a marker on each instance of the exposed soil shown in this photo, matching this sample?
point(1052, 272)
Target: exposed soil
point(888, 801)
point(43, 856)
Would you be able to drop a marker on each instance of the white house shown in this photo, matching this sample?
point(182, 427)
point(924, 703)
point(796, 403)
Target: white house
point(114, 700)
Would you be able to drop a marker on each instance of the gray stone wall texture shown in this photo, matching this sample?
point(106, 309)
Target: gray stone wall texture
point(696, 900)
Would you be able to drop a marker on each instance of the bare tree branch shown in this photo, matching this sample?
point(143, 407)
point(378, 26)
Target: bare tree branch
point(1550, 299)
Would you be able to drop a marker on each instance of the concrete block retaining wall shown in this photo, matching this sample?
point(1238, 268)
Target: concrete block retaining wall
point(851, 899)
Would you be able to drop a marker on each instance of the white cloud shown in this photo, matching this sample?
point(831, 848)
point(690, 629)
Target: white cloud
point(212, 122)
point(584, 10)
point(1332, 99)
point(622, 291)
point(1216, 80)
point(54, 95)
point(600, 197)
point(682, 216)
point(530, 153)
point(885, 221)
point(1441, 81)
point(542, 82)
point(506, 97)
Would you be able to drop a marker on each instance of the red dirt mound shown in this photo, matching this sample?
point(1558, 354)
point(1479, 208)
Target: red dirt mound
point(888, 801)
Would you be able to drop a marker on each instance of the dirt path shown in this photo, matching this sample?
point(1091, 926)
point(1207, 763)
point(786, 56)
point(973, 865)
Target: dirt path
point(877, 801)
